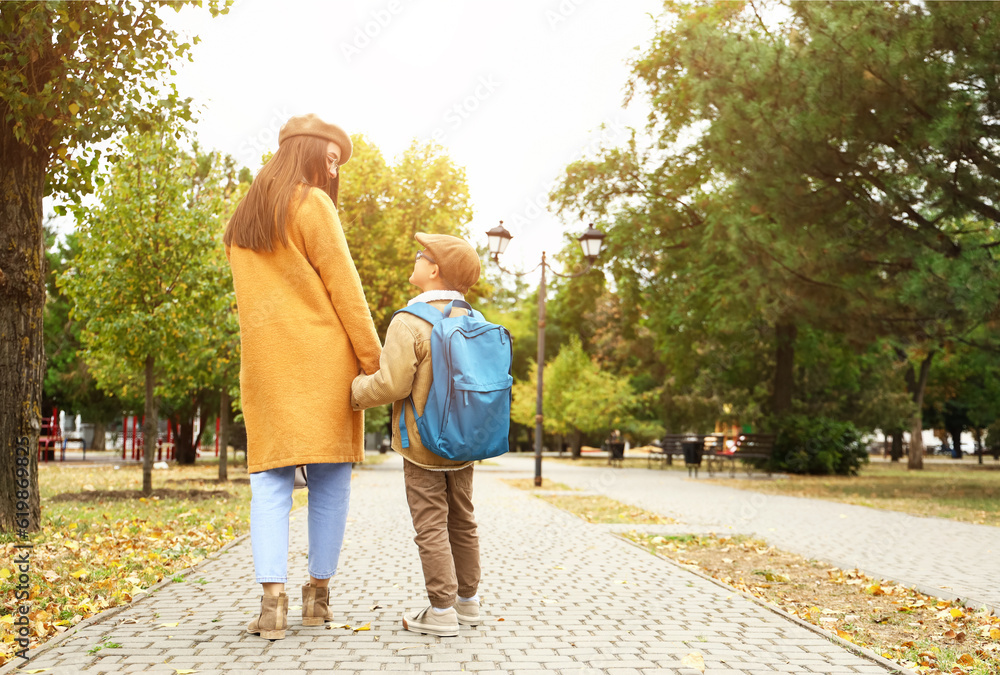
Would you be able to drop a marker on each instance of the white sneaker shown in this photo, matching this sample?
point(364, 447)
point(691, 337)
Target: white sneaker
point(429, 622)
point(468, 612)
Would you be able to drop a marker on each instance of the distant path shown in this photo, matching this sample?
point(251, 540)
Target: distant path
point(940, 557)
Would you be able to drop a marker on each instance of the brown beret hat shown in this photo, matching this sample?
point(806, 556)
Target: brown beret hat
point(456, 257)
point(312, 125)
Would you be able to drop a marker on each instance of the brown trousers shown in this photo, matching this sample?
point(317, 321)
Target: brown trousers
point(441, 508)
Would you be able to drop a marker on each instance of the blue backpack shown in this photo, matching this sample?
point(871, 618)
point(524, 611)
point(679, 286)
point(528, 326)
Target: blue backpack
point(467, 415)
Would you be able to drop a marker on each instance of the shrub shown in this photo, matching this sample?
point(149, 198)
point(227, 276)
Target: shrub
point(817, 445)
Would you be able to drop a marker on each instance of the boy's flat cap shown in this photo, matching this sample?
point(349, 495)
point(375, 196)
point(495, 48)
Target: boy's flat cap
point(457, 259)
point(312, 125)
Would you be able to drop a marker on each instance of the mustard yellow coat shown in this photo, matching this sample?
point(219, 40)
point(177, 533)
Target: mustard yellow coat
point(305, 333)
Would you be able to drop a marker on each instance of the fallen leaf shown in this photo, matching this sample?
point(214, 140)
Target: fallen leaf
point(4, 573)
point(966, 660)
point(36, 670)
point(694, 660)
point(181, 671)
point(82, 572)
point(367, 626)
point(374, 607)
point(995, 633)
point(169, 625)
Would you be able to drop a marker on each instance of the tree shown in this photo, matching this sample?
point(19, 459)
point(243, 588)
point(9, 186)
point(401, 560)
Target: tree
point(69, 383)
point(73, 75)
point(578, 398)
point(811, 165)
point(383, 206)
point(148, 270)
point(964, 387)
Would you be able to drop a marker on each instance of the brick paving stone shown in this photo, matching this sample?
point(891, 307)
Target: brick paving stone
point(884, 544)
point(550, 576)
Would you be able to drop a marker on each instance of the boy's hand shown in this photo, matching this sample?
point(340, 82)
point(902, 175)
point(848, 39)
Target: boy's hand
point(354, 387)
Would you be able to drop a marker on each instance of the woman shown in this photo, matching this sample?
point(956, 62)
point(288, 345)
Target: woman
point(305, 331)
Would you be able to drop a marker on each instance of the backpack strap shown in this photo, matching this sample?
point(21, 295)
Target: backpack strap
point(428, 313)
point(404, 438)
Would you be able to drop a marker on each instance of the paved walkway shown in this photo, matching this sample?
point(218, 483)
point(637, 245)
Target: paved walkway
point(940, 557)
point(561, 595)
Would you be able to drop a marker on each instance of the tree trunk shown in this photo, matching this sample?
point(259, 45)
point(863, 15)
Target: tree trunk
point(150, 430)
point(100, 442)
point(919, 383)
point(574, 441)
point(956, 440)
point(184, 450)
point(897, 445)
point(784, 382)
point(977, 434)
point(224, 411)
point(22, 351)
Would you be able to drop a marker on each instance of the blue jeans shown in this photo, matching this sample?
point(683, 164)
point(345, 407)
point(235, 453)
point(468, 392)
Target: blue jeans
point(329, 495)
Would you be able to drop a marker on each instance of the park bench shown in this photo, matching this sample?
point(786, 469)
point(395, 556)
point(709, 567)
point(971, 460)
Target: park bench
point(747, 447)
point(670, 445)
point(690, 446)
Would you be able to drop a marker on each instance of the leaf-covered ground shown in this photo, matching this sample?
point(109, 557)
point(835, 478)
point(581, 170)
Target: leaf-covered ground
point(102, 543)
point(917, 631)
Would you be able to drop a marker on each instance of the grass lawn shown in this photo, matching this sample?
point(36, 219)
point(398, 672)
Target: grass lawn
point(102, 543)
point(959, 492)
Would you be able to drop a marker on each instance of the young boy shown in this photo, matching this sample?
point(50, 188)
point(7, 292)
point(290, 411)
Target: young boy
point(438, 490)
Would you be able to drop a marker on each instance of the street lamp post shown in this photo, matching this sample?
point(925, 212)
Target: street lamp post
point(591, 242)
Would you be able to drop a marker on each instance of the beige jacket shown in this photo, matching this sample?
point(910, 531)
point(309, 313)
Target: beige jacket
point(305, 333)
point(405, 367)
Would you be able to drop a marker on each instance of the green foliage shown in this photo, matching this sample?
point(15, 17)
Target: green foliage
point(805, 173)
point(383, 206)
point(69, 384)
point(150, 278)
point(77, 73)
point(817, 445)
point(377, 419)
point(578, 395)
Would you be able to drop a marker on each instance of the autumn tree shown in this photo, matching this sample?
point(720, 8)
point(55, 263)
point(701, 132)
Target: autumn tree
point(149, 270)
point(579, 398)
point(382, 206)
point(824, 165)
point(73, 74)
point(69, 381)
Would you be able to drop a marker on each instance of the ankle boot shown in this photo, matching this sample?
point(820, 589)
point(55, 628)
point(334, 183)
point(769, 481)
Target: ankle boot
point(273, 619)
point(315, 605)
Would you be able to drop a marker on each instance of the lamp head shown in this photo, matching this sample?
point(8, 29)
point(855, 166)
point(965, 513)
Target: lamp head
point(498, 238)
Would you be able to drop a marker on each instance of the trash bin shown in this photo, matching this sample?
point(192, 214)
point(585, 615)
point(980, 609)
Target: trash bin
point(692, 455)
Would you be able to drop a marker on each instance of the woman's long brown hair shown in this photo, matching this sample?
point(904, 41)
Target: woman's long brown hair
point(260, 218)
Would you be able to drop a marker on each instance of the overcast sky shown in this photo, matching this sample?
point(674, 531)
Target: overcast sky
point(514, 90)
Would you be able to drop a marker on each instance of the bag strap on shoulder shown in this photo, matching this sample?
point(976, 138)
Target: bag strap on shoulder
point(428, 313)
